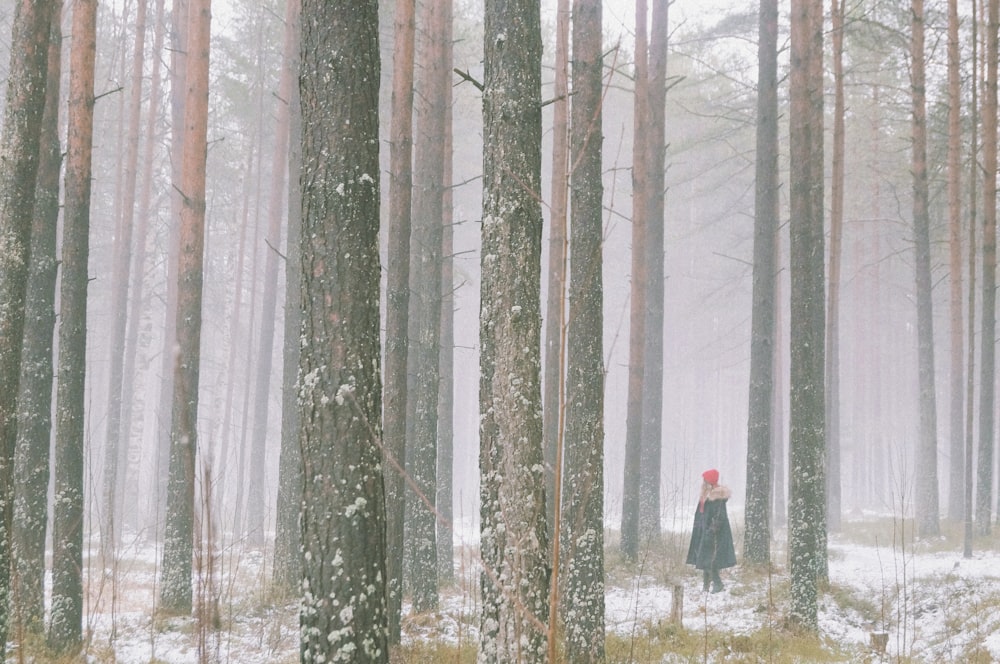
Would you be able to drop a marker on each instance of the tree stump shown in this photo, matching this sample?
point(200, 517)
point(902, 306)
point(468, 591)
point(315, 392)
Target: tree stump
point(677, 606)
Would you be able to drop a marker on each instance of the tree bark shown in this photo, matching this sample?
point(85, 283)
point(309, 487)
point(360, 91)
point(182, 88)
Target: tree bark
point(513, 541)
point(833, 452)
point(926, 481)
point(175, 573)
point(398, 302)
point(652, 388)
point(582, 540)
point(637, 304)
point(66, 621)
point(34, 400)
point(761, 425)
point(288, 533)
point(807, 504)
point(343, 615)
point(19, 143)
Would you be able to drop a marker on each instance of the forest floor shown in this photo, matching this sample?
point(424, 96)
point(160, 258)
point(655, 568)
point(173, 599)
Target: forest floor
point(933, 604)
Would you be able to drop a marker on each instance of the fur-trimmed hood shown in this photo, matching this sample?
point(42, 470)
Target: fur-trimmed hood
point(719, 492)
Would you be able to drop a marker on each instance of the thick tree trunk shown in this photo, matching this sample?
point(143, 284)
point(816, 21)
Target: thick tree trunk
point(514, 546)
point(34, 401)
point(807, 504)
point(175, 573)
point(66, 621)
point(761, 427)
point(582, 540)
point(398, 302)
point(343, 615)
point(19, 143)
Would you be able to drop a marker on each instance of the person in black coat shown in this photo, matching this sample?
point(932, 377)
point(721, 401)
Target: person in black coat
point(712, 538)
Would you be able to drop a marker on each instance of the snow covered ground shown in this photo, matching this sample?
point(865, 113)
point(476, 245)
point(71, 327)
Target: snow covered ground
point(935, 605)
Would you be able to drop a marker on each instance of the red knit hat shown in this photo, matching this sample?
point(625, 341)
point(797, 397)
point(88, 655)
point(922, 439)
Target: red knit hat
point(711, 476)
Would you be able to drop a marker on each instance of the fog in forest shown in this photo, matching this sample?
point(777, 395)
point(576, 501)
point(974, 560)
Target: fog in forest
point(708, 257)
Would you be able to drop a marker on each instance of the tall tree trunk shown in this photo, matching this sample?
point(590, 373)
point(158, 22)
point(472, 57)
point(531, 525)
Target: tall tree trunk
point(984, 469)
point(761, 427)
point(288, 535)
point(256, 498)
point(178, 71)
point(343, 615)
point(555, 302)
point(652, 379)
point(956, 427)
point(111, 506)
point(926, 481)
point(66, 622)
point(19, 150)
point(513, 542)
point(970, 379)
point(34, 401)
point(147, 214)
point(175, 573)
point(398, 302)
point(807, 504)
point(582, 540)
point(637, 303)
point(428, 193)
point(446, 361)
point(833, 451)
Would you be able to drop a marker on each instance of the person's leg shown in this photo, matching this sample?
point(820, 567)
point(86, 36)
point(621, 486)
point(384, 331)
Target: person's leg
point(716, 581)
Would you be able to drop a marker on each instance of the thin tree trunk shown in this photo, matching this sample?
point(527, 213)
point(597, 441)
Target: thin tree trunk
point(256, 500)
point(761, 430)
point(446, 385)
point(555, 303)
point(956, 428)
point(833, 451)
point(131, 453)
point(175, 573)
point(398, 303)
point(34, 431)
point(288, 535)
point(119, 295)
point(652, 379)
point(637, 304)
point(984, 469)
point(66, 621)
point(970, 374)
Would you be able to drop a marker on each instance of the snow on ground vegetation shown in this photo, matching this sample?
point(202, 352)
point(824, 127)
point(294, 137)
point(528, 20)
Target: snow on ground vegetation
point(933, 604)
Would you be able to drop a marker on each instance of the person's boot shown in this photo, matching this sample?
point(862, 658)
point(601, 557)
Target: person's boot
point(716, 582)
point(705, 577)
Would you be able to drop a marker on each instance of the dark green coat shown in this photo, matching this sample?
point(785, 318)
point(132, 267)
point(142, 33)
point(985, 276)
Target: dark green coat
point(712, 538)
